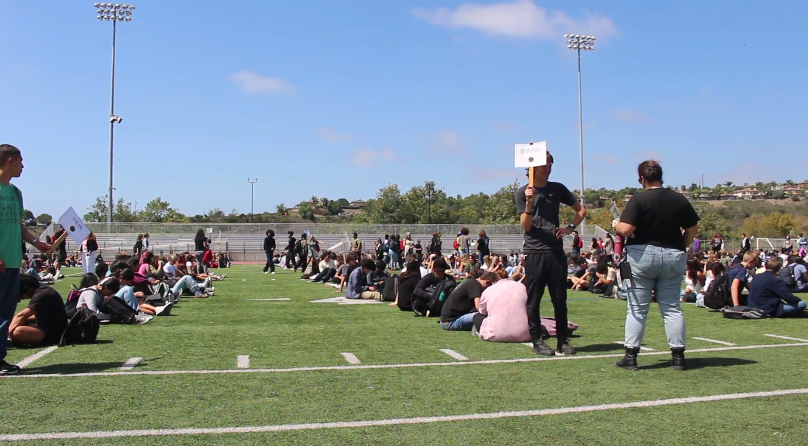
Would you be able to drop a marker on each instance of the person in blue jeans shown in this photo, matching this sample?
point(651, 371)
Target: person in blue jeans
point(12, 234)
point(464, 302)
point(658, 224)
point(770, 294)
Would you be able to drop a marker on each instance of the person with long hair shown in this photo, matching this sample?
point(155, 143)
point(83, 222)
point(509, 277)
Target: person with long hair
point(269, 250)
point(200, 246)
point(663, 223)
point(695, 280)
point(483, 245)
point(546, 265)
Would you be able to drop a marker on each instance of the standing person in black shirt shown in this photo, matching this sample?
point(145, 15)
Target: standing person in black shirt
point(291, 259)
point(61, 254)
point(658, 224)
point(545, 262)
point(200, 246)
point(269, 250)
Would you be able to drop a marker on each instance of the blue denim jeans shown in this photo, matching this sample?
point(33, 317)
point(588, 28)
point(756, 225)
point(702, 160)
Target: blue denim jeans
point(463, 323)
point(186, 283)
point(791, 310)
point(9, 296)
point(662, 271)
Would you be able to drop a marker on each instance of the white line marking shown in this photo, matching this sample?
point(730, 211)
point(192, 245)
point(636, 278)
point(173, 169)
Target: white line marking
point(272, 299)
point(29, 360)
point(398, 421)
point(645, 349)
point(243, 361)
point(351, 358)
point(713, 341)
point(786, 337)
point(131, 363)
point(385, 366)
point(454, 354)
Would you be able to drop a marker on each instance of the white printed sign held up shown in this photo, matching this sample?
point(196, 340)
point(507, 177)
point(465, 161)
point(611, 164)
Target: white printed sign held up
point(531, 155)
point(74, 226)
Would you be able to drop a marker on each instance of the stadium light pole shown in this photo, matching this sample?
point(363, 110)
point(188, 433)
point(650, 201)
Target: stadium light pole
point(578, 42)
point(114, 12)
point(252, 197)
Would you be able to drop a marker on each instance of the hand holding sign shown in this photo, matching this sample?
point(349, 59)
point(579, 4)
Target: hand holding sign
point(530, 156)
point(74, 226)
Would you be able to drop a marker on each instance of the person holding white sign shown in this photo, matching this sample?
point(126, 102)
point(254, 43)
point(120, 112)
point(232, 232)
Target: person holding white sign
point(545, 263)
point(12, 234)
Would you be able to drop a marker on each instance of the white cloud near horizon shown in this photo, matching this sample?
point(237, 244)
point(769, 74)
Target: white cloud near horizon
point(250, 82)
point(628, 115)
point(332, 135)
point(449, 140)
point(517, 19)
point(368, 157)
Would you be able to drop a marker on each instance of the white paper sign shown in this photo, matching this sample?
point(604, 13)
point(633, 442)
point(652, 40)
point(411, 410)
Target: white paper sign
point(210, 230)
point(74, 226)
point(613, 209)
point(530, 155)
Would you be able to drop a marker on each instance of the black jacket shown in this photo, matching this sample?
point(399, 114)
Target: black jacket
point(269, 244)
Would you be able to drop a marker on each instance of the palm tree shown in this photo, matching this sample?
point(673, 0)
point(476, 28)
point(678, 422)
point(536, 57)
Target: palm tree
point(790, 183)
point(729, 183)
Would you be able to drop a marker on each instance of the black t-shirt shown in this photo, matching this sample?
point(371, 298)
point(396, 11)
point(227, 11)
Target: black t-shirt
point(199, 243)
point(50, 311)
point(659, 216)
point(461, 301)
point(406, 286)
point(291, 246)
point(547, 201)
point(426, 285)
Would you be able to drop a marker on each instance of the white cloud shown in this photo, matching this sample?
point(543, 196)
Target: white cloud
point(449, 140)
point(518, 18)
point(367, 157)
point(250, 82)
point(628, 115)
point(332, 135)
point(504, 126)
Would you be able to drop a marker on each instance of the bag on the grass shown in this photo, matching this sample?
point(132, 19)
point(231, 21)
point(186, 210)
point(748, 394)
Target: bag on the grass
point(787, 275)
point(717, 295)
point(549, 324)
point(120, 310)
point(439, 297)
point(72, 300)
point(82, 328)
point(390, 290)
point(743, 313)
point(155, 300)
point(162, 290)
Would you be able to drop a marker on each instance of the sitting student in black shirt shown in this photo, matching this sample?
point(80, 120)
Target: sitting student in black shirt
point(771, 295)
point(377, 276)
point(426, 286)
point(43, 321)
point(464, 302)
point(407, 282)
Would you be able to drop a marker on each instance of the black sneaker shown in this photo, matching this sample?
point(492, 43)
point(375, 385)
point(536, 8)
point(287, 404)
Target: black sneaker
point(566, 349)
point(541, 348)
point(8, 369)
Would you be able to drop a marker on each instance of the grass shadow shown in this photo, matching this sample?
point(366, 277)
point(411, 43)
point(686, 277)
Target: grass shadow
point(700, 363)
point(62, 369)
point(595, 348)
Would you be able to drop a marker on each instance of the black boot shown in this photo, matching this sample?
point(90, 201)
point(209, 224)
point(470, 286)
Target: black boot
point(629, 362)
point(678, 356)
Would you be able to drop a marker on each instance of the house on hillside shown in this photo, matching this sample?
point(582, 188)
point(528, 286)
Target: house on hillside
point(802, 185)
point(627, 198)
point(793, 192)
point(357, 204)
point(747, 193)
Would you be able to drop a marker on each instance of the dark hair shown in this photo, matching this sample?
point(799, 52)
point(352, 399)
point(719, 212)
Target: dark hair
point(693, 268)
point(8, 151)
point(602, 267)
point(440, 264)
point(112, 284)
point(490, 276)
point(28, 285)
point(140, 236)
point(464, 231)
point(381, 264)
point(355, 235)
point(413, 268)
point(651, 171)
point(88, 280)
point(101, 270)
point(368, 264)
point(270, 233)
point(200, 233)
point(127, 274)
point(148, 257)
point(774, 264)
point(291, 233)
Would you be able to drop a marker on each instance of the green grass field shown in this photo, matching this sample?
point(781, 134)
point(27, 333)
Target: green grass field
point(298, 375)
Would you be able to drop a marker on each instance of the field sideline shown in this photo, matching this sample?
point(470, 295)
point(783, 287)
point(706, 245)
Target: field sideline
point(248, 367)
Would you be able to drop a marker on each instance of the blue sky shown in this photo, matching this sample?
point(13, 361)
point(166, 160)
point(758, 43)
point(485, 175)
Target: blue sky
point(311, 96)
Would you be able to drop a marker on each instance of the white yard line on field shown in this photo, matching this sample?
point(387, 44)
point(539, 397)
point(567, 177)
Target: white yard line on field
point(131, 363)
point(645, 349)
point(454, 354)
point(389, 366)
point(397, 421)
point(29, 360)
point(351, 358)
point(714, 341)
point(786, 337)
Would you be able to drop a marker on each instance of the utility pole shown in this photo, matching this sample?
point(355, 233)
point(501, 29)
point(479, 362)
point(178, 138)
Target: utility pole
point(252, 198)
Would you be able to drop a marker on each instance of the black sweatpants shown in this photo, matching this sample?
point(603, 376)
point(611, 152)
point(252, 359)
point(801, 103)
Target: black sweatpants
point(270, 261)
point(546, 270)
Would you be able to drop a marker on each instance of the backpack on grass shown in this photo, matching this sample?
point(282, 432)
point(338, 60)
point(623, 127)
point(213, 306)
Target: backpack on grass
point(717, 295)
point(439, 297)
point(72, 300)
point(743, 313)
point(390, 290)
point(82, 328)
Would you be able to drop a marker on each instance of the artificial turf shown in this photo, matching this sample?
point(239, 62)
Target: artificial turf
point(208, 334)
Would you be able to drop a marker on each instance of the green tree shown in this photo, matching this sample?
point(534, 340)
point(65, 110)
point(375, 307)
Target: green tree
point(500, 208)
point(387, 207)
point(281, 209)
point(159, 210)
point(343, 203)
point(780, 224)
point(44, 219)
point(98, 211)
point(334, 208)
point(306, 210)
point(28, 218)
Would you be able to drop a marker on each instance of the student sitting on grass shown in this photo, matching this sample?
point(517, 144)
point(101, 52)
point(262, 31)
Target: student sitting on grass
point(377, 276)
point(358, 287)
point(503, 313)
point(464, 302)
point(426, 286)
point(137, 300)
point(345, 271)
point(94, 297)
point(768, 293)
point(407, 282)
point(43, 321)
